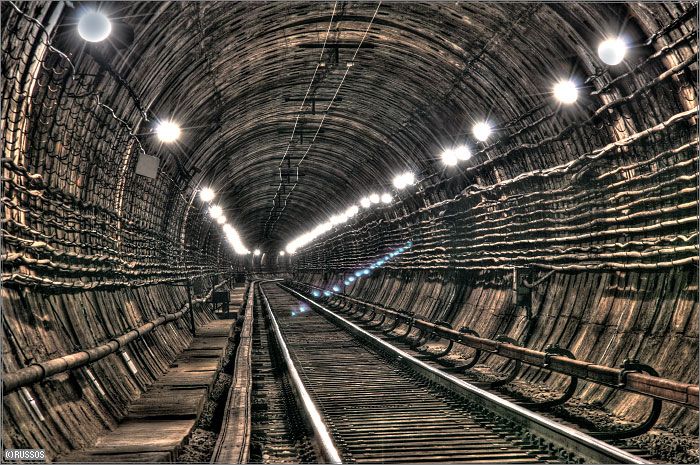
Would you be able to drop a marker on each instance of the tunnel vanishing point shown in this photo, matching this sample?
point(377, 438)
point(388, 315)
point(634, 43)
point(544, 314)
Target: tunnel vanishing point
point(349, 232)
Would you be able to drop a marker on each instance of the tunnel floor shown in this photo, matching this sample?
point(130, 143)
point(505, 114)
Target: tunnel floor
point(162, 418)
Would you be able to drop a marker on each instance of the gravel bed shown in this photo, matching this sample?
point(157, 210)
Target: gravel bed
point(663, 444)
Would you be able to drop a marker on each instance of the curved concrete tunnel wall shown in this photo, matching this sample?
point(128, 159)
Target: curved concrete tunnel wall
point(92, 249)
point(602, 318)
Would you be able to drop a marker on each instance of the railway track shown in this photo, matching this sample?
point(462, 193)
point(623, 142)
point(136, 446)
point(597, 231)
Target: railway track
point(431, 356)
point(278, 433)
point(368, 402)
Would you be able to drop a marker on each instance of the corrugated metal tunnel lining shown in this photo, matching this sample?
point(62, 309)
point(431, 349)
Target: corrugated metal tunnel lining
point(571, 224)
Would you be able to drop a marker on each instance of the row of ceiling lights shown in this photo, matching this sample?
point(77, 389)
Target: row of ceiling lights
point(94, 26)
point(215, 211)
point(611, 52)
point(401, 181)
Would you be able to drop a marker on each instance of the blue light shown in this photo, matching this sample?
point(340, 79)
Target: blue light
point(386, 257)
point(409, 244)
point(358, 274)
point(402, 249)
point(346, 282)
point(336, 289)
point(294, 314)
point(351, 279)
point(316, 294)
point(365, 272)
point(302, 309)
point(327, 293)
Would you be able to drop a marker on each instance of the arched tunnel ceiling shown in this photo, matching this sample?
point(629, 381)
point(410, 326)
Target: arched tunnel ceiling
point(234, 74)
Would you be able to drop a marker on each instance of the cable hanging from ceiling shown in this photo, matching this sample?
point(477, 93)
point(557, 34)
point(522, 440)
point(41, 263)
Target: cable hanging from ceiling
point(350, 64)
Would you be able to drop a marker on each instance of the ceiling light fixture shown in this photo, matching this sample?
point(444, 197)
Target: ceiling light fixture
point(403, 180)
point(168, 131)
point(352, 211)
point(481, 131)
point(449, 157)
point(565, 91)
point(462, 153)
point(612, 51)
point(206, 195)
point(93, 26)
point(216, 211)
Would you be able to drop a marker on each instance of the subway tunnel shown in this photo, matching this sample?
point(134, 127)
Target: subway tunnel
point(370, 232)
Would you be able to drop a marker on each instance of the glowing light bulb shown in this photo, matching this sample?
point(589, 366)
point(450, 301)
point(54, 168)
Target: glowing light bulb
point(336, 289)
point(566, 91)
point(449, 157)
point(403, 180)
point(94, 26)
point(256, 252)
point(352, 211)
point(221, 219)
point(612, 51)
point(168, 131)
point(282, 253)
point(365, 202)
point(374, 198)
point(386, 198)
point(481, 131)
point(206, 195)
point(463, 153)
point(216, 211)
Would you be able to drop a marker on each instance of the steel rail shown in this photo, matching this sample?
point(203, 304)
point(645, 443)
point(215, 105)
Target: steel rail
point(39, 371)
point(577, 442)
point(636, 382)
point(326, 447)
point(233, 442)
